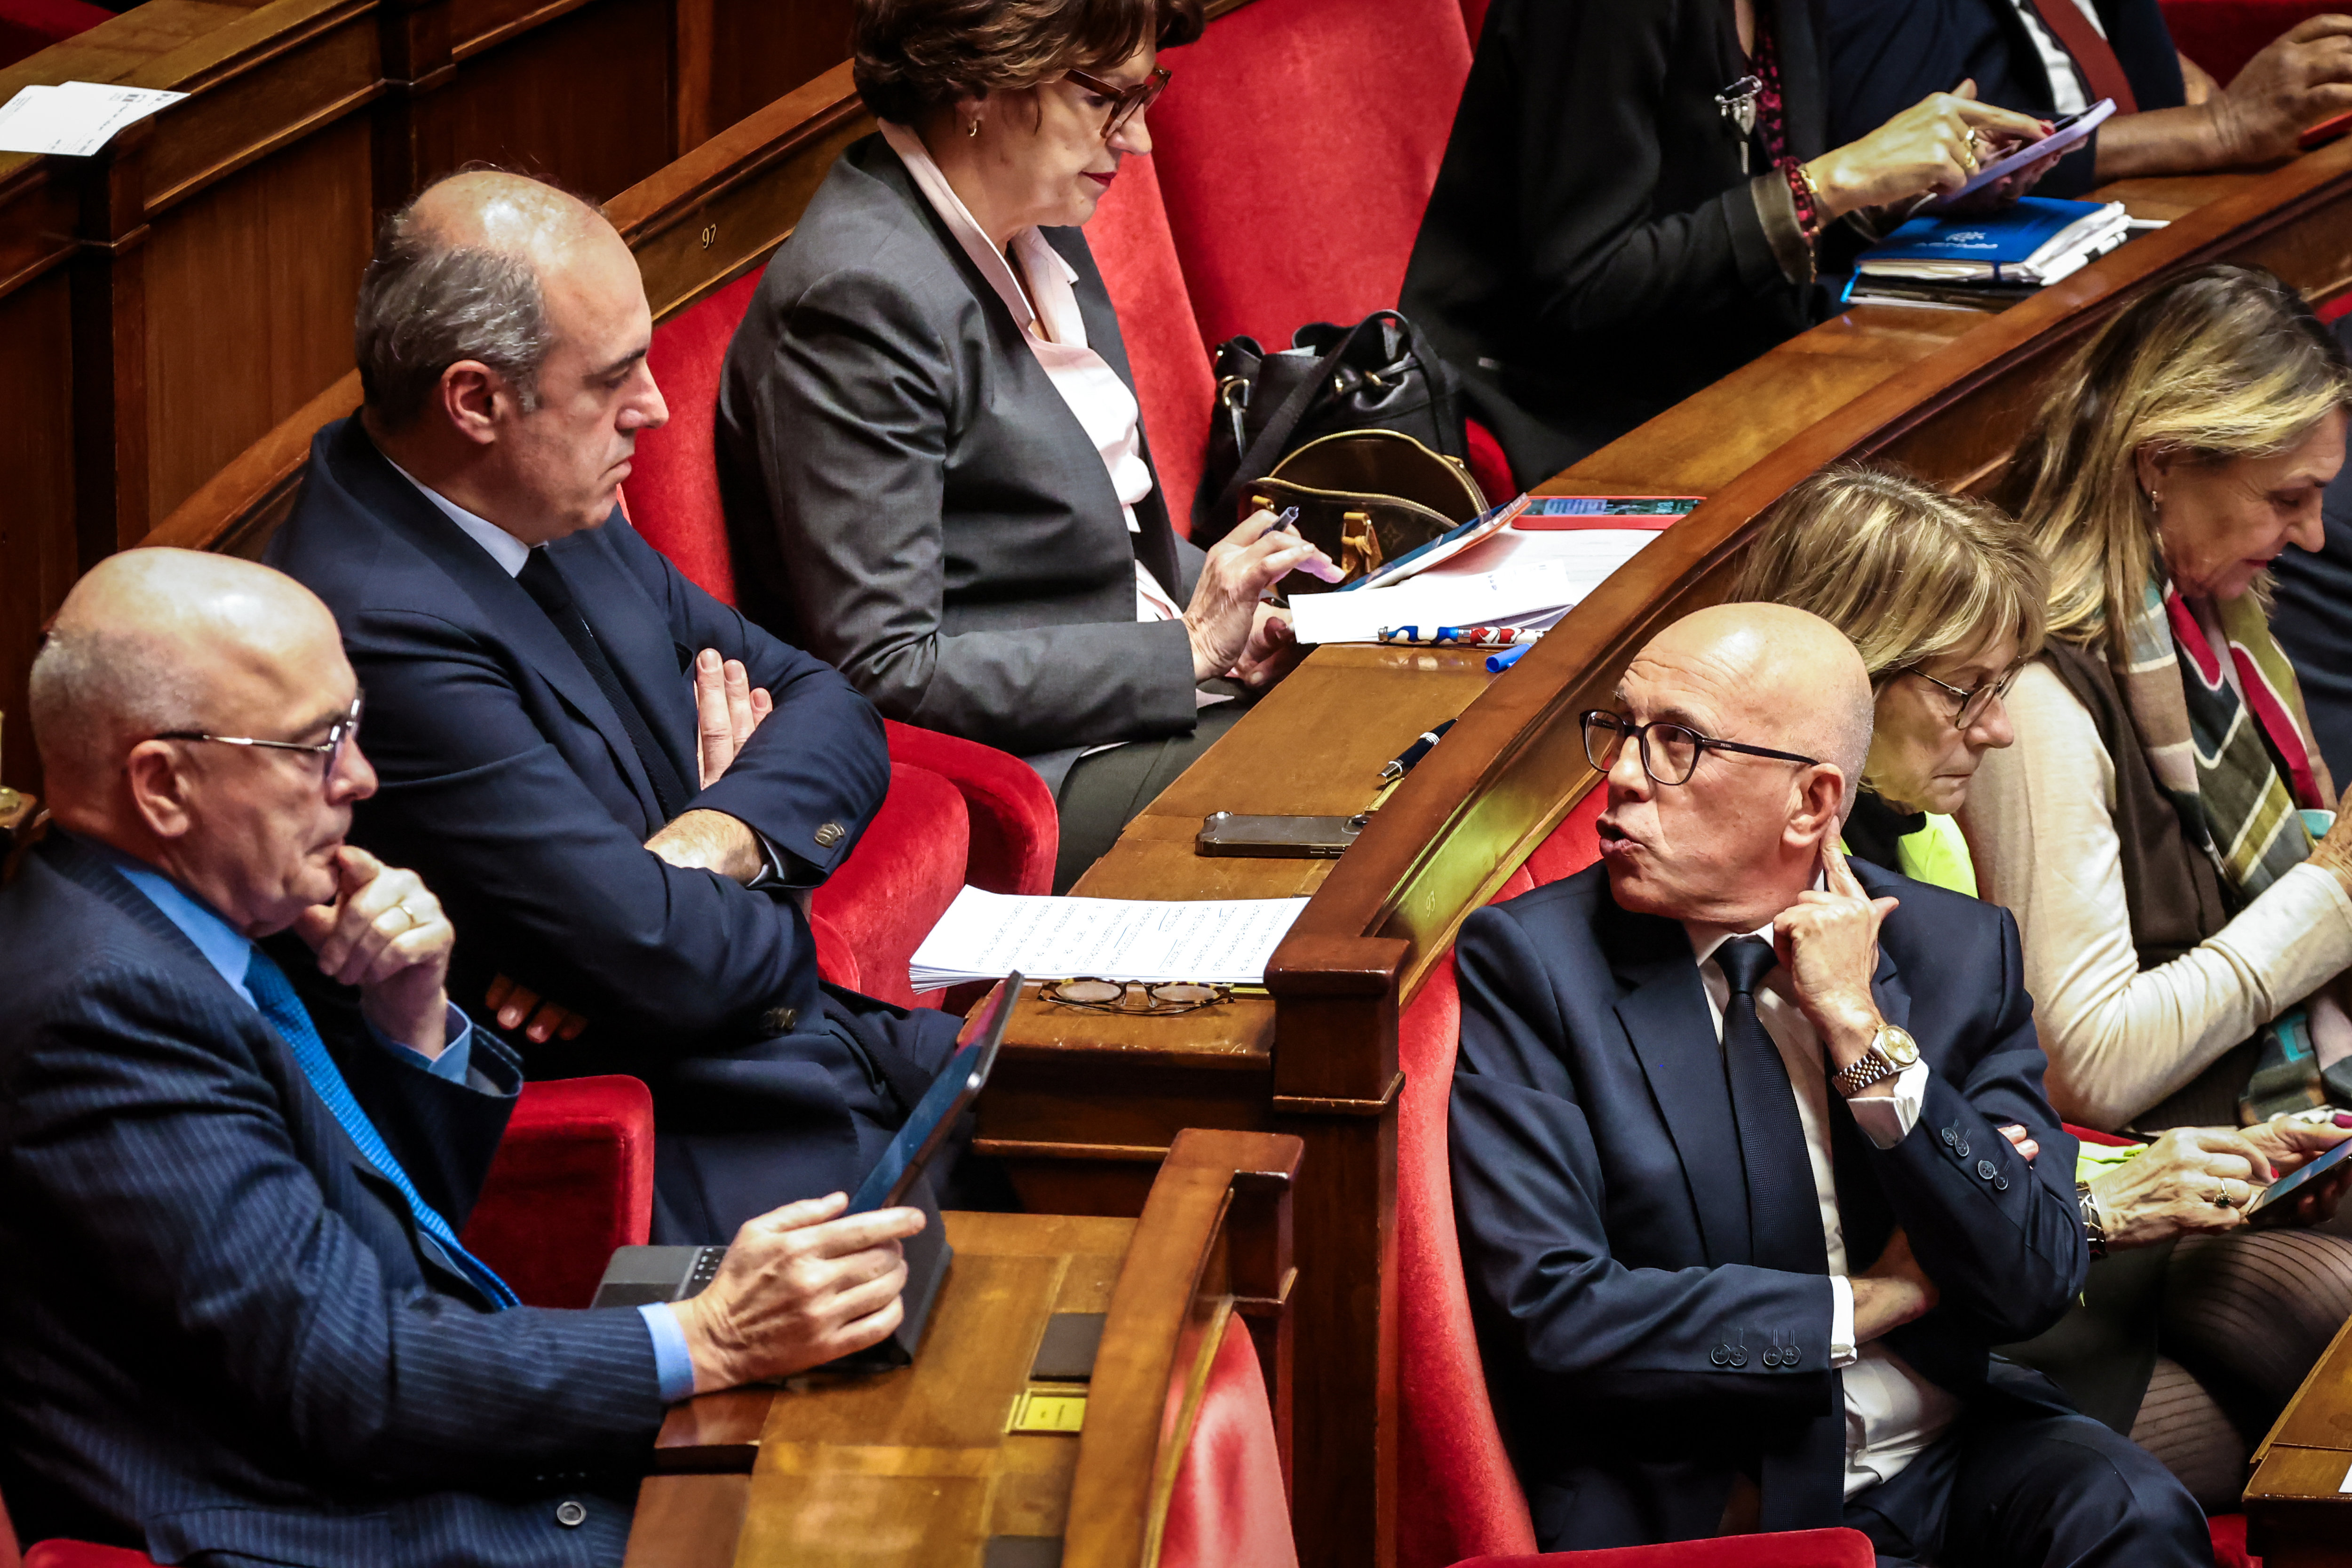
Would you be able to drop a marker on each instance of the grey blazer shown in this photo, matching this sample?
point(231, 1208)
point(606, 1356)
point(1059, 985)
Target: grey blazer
point(910, 499)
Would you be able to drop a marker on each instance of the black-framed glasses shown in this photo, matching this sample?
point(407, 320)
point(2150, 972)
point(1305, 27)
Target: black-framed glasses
point(1126, 102)
point(331, 748)
point(1160, 996)
point(1669, 752)
point(1968, 704)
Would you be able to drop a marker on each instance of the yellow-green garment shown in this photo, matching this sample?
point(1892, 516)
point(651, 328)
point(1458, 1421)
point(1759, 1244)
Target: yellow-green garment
point(1938, 855)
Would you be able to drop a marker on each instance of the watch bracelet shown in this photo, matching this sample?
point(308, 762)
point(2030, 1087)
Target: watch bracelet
point(2095, 1223)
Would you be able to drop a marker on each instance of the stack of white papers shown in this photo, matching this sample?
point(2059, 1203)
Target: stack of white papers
point(1215, 941)
point(75, 118)
point(1524, 593)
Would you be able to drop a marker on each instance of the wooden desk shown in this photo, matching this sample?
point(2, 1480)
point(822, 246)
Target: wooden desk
point(916, 1467)
point(2299, 1503)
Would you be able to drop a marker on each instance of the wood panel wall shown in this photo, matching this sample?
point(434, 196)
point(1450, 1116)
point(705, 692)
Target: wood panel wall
point(164, 304)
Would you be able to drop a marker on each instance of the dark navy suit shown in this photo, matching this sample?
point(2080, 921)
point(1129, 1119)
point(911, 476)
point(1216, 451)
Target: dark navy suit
point(1605, 1221)
point(2311, 617)
point(510, 785)
point(220, 1340)
point(1885, 56)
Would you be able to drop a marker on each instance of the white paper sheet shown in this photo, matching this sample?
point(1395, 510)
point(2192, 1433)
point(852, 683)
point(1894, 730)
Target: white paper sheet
point(75, 118)
point(1546, 571)
point(985, 936)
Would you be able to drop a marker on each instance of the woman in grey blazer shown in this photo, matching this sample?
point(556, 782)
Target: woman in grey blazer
point(933, 464)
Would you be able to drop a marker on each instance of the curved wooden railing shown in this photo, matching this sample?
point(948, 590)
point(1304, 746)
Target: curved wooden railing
point(1211, 1253)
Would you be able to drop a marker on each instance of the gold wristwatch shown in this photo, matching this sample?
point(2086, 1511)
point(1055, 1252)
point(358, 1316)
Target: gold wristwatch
point(1889, 1052)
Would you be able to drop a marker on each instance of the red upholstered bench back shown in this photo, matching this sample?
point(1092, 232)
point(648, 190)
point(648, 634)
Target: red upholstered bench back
point(2223, 34)
point(572, 1180)
point(1466, 1500)
point(1132, 245)
point(29, 27)
point(1296, 146)
point(673, 488)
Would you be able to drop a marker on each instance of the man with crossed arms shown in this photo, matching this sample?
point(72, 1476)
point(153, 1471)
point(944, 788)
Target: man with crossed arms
point(623, 789)
point(1739, 1224)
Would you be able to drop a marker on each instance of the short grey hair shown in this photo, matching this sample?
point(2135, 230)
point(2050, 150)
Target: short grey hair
point(426, 304)
point(95, 692)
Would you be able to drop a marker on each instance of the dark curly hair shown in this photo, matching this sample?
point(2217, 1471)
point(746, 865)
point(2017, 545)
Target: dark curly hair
point(910, 56)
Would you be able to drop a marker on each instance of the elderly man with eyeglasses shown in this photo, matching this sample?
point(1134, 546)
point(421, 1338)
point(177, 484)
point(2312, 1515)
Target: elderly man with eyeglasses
point(241, 1127)
point(1739, 1224)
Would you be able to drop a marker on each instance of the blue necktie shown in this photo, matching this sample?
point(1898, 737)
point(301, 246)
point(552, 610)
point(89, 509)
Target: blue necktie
point(1784, 1223)
point(274, 994)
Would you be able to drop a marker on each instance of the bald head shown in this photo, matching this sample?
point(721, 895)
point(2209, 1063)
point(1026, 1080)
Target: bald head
point(216, 654)
point(1782, 673)
point(510, 214)
point(1737, 837)
point(154, 640)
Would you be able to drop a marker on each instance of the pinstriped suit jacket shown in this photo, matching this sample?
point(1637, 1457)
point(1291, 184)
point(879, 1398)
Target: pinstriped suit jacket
point(219, 1338)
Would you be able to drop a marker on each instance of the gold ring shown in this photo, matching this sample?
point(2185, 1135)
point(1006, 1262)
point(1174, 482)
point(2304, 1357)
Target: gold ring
point(2221, 1199)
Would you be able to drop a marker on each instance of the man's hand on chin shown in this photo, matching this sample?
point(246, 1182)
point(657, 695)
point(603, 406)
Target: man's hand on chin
point(1828, 944)
point(385, 933)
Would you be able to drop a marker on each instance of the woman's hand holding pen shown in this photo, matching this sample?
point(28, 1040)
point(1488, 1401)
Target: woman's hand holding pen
point(1223, 620)
point(1934, 147)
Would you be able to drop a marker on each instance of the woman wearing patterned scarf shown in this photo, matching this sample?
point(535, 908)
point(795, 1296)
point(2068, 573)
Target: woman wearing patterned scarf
point(2161, 826)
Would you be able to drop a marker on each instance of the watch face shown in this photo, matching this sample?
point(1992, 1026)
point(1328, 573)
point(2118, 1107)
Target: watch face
point(1900, 1048)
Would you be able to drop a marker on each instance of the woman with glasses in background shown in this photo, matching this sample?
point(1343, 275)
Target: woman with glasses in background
point(1944, 598)
point(932, 459)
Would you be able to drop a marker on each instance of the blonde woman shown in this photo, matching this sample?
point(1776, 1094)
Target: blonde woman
point(1945, 597)
point(2159, 827)
point(2153, 829)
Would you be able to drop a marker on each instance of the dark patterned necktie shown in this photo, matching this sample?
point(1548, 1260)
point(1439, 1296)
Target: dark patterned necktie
point(543, 581)
point(1784, 1213)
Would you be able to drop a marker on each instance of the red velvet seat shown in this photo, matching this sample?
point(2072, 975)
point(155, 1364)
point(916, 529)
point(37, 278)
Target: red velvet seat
point(29, 27)
point(1794, 1549)
point(1466, 1498)
point(82, 1555)
point(2223, 34)
point(1304, 208)
point(572, 1180)
point(1296, 146)
point(1133, 246)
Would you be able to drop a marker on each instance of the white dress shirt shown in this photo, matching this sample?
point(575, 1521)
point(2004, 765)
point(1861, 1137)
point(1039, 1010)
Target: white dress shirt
point(2066, 94)
point(1892, 1414)
point(1056, 333)
point(511, 553)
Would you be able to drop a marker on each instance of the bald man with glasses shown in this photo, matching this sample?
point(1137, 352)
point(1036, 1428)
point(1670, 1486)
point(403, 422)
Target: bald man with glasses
point(241, 1128)
point(1740, 1227)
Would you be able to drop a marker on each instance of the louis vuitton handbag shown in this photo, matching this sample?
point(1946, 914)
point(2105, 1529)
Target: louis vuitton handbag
point(1366, 497)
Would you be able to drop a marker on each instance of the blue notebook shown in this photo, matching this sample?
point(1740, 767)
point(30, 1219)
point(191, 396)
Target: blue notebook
point(2029, 242)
